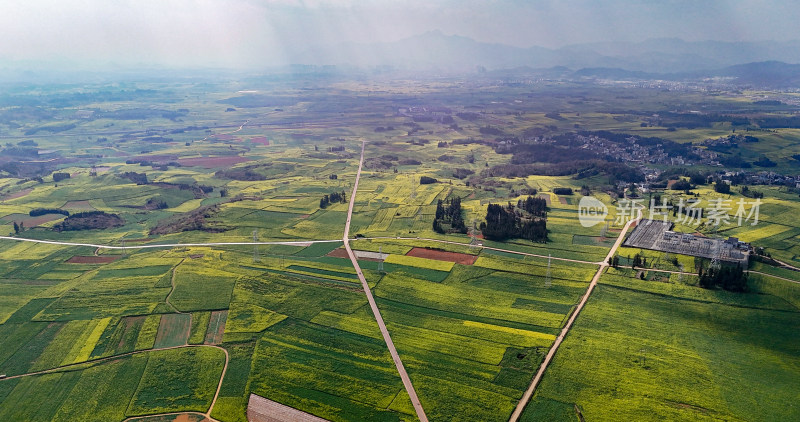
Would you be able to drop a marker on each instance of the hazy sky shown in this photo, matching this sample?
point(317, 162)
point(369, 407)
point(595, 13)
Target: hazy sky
point(236, 33)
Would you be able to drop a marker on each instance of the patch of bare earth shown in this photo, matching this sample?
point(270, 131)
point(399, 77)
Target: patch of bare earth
point(216, 327)
point(19, 194)
point(458, 258)
point(260, 409)
point(546, 198)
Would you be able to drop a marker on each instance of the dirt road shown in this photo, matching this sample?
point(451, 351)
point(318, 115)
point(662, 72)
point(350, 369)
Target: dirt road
point(543, 367)
point(374, 306)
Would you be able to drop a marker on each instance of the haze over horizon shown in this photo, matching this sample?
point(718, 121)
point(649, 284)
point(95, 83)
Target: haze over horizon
point(255, 34)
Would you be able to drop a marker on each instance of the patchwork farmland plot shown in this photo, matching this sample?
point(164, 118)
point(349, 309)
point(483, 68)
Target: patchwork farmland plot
point(173, 330)
point(191, 312)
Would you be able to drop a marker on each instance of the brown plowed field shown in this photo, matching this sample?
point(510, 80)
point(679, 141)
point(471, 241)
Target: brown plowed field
point(92, 259)
point(19, 194)
point(458, 258)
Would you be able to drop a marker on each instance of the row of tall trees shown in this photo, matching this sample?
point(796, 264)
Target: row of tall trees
point(729, 277)
point(534, 206)
point(508, 222)
point(448, 217)
point(336, 197)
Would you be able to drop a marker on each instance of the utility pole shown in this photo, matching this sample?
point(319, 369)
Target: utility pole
point(255, 246)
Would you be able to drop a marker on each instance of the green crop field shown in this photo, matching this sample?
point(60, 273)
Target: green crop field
point(640, 352)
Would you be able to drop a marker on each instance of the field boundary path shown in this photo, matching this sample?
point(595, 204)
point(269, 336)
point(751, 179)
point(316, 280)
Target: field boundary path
point(172, 289)
point(374, 306)
point(523, 402)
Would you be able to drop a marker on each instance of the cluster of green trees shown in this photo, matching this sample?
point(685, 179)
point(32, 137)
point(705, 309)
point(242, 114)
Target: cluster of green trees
point(138, 178)
point(534, 206)
point(426, 180)
point(156, 204)
point(89, 220)
point(332, 198)
point(507, 222)
point(722, 187)
point(42, 211)
point(448, 213)
point(751, 193)
point(638, 261)
point(729, 277)
point(57, 177)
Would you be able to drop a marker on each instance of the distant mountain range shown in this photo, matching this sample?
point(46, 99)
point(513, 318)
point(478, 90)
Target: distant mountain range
point(671, 57)
point(762, 63)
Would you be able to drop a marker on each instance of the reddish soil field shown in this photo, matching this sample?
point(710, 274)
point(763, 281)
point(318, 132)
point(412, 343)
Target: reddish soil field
point(19, 194)
point(260, 140)
point(211, 162)
point(216, 327)
point(225, 137)
point(458, 258)
point(563, 201)
point(338, 253)
point(92, 259)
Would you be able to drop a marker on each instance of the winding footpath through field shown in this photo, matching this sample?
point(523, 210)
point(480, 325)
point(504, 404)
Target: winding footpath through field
point(374, 306)
point(543, 367)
